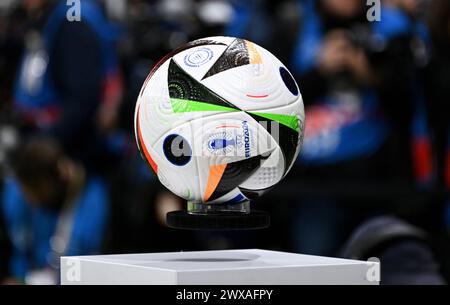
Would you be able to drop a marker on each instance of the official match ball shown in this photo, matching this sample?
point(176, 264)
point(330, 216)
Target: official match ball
point(219, 120)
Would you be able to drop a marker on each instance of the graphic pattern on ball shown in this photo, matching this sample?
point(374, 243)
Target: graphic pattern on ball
point(219, 120)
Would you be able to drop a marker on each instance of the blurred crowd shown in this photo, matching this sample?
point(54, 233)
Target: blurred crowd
point(372, 178)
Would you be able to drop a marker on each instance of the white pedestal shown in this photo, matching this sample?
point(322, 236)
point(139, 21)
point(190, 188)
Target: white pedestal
point(230, 267)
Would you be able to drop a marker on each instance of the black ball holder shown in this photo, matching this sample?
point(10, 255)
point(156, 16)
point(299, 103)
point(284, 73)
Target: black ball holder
point(201, 216)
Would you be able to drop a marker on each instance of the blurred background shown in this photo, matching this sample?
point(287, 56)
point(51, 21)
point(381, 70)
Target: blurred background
point(372, 179)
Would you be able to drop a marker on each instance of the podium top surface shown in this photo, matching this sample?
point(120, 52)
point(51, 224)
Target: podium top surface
point(216, 260)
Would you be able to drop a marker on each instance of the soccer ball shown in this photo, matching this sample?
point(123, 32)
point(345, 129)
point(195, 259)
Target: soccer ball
point(219, 120)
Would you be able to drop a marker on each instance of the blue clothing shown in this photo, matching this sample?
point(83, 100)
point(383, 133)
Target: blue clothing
point(46, 94)
point(30, 228)
point(249, 21)
point(78, 72)
point(337, 130)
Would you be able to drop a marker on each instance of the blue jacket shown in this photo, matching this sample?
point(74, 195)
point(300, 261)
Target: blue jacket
point(335, 133)
point(30, 228)
point(46, 98)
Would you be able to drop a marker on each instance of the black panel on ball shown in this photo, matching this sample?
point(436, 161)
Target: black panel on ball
point(235, 55)
point(253, 194)
point(183, 86)
point(235, 174)
point(181, 48)
point(287, 138)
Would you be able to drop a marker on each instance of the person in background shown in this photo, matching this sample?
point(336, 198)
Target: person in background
point(365, 126)
point(69, 83)
point(251, 20)
point(52, 207)
point(405, 251)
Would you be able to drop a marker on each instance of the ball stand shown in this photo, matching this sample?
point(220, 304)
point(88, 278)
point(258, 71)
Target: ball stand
point(201, 216)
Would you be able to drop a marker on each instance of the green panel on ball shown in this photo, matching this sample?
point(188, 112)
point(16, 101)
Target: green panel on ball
point(183, 105)
point(290, 121)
